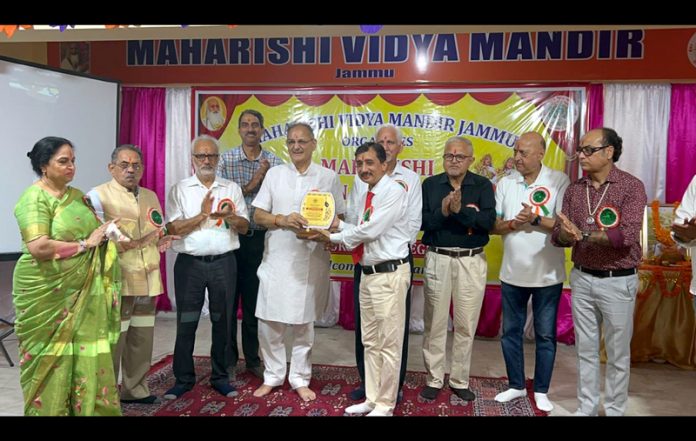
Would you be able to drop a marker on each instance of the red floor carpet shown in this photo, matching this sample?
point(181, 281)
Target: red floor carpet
point(332, 385)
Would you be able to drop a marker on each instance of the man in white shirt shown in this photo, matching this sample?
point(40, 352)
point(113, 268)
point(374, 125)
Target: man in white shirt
point(379, 243)
point(392, 140)
point(209, 213)
point(293, 271)
point(526, 206)
point(684, 229)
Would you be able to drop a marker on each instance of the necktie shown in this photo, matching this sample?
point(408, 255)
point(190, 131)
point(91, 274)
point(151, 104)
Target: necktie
point(360, 249)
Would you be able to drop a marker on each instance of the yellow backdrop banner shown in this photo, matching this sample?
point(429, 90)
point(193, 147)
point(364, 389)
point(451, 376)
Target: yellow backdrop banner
point(492, 118)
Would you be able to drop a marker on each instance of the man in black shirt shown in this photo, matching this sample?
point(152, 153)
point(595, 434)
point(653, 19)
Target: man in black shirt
point(458, 214)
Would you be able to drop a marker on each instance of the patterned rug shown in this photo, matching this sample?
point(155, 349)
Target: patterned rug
point(332, 385)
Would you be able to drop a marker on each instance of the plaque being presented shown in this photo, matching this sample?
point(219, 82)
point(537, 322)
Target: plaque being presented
point(319, 208)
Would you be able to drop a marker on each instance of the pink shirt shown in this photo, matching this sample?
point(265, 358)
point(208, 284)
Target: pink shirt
point(620, 209)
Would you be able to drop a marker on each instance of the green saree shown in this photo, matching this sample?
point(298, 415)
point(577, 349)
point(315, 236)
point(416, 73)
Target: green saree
point(67, 311)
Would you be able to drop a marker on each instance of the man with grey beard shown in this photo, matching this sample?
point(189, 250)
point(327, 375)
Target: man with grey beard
point(209, 213)
point(214, 115)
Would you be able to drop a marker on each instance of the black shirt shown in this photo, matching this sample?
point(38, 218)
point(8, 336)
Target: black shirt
point(468, 228)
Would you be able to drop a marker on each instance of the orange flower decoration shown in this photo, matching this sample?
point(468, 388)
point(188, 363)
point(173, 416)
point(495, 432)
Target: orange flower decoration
point(661, 234)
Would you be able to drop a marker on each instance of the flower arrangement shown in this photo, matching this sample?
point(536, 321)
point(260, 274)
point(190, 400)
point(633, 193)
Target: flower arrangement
point(661, 234)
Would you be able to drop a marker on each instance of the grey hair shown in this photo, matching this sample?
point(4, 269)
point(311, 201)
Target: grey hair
point(460, 139)
point(119, 149)
point(399, 136)
point(296, 124)
point(200, 138)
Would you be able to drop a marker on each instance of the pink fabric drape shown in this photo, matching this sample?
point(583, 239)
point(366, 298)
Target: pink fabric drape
point(681, 140)
point(595, 106)
point(143, 123)
point(489, 319)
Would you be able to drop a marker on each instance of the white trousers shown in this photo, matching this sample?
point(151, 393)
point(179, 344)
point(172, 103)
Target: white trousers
point(271, 341)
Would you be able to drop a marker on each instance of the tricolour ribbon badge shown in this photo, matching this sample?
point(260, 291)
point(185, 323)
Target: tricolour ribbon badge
point(538, 198)
point(608, 217)
point(222, 205)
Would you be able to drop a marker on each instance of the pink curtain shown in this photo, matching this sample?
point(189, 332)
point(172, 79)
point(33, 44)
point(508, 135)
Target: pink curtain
point(143, 123)
point(681, 140)
point(595, 106)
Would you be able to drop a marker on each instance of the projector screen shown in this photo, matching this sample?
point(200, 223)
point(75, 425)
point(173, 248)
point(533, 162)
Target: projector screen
point(36, 101)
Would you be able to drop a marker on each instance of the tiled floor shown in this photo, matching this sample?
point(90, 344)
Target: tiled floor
point(656, 389)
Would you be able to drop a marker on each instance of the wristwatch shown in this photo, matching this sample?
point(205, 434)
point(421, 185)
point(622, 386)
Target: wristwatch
point(586, 236)
point(536, 221)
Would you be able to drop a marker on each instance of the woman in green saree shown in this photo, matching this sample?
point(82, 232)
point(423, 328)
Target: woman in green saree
point(66, 292)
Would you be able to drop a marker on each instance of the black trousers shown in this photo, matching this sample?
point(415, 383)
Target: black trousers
point(359, 348)
point(191, 278)
point(249, 255)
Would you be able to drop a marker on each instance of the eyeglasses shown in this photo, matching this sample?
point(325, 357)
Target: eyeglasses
point(588, 150)
point(459, 158)
point(301, 142)
point(209, 156)
point(126, 165)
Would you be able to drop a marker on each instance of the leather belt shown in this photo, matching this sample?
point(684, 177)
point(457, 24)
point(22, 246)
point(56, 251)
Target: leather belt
point(385, 267)
point(461, 253)
point(611, 273)
point(210, 258)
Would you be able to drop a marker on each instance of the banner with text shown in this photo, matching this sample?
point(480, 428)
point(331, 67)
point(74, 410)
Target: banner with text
point(397, 58)
point(492, 118)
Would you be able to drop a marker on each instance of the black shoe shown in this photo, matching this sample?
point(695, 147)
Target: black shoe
point(464, 394)
point(256, 371)
point(147, 400)
point(225, 389)
point(357, 394)
point(175, 392)
point(429, 393)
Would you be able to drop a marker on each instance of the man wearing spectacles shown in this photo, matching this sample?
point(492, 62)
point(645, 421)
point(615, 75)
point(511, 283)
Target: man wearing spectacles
point(601, 220)
point(294, 274)
point(392, 140)
point(684, 229)
point(140, 217)
point(247, 166)
point(526, 203)
point(210, 214)
point(458, 214)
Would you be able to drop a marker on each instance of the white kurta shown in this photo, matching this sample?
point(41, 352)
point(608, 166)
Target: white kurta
point(292, 269)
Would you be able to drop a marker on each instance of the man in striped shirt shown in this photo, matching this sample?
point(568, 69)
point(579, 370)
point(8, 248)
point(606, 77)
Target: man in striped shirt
point(247, 166)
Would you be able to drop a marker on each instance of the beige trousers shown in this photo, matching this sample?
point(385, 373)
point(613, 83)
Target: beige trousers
point(134, 349)
point(382, 312)
point(461, 280)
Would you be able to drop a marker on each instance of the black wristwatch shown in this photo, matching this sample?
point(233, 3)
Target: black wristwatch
point(536, 221)
point(586, 236)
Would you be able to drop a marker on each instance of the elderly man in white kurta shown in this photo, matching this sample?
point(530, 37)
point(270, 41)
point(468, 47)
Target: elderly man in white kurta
point(293, 270)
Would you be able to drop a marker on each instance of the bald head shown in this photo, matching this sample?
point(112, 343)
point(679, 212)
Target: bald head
point(529, 151)
point(534, 139)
